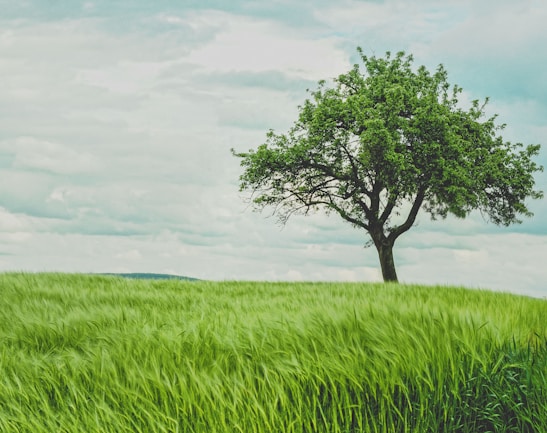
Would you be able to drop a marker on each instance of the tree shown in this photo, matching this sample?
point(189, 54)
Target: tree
point(385, 142)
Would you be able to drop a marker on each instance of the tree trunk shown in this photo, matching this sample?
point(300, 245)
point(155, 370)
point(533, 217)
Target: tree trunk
point(385, 253)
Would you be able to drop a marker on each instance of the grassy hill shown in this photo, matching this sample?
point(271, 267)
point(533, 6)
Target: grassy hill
point(107, 354)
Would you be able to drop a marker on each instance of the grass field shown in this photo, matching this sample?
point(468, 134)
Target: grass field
point(104, 354)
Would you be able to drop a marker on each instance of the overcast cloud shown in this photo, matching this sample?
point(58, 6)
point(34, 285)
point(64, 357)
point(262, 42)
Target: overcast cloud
point(117, 119)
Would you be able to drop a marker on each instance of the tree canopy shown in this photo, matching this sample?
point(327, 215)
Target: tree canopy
point(390, 139)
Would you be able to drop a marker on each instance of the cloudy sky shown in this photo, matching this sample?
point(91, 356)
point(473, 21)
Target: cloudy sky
point(117, 119)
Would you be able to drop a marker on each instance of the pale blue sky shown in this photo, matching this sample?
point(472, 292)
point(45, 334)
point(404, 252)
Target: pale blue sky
point(116, 121)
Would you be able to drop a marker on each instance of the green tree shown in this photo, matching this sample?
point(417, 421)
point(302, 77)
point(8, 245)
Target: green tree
point(383, 143)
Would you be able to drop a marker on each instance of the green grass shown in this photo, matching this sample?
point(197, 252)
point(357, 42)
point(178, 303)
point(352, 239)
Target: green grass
point(104, 354)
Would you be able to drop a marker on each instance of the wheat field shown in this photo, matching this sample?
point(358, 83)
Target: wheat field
point(104, 354)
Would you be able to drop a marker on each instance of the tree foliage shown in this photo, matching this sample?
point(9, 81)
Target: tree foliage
point(391, 139)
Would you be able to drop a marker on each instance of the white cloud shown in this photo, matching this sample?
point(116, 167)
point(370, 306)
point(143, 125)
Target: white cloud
point(32, 153)
point(10, 222)
point(504, 261)
point(123, 77)
point(250, 44)
point(131, 255)
point(472, 37)
point(18, 237)
point(388, 25)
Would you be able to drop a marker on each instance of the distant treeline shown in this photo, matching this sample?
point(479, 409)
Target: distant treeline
point(147, 276)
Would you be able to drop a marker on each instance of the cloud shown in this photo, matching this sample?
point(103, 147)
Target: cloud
point(10, 223)
point(34, 154)
point(129, 255)
point(486, 261)
point(500, 63)
point(470, 38)
point(246, 44)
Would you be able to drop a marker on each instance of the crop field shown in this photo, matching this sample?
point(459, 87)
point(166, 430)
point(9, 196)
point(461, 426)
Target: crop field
point(105, 354)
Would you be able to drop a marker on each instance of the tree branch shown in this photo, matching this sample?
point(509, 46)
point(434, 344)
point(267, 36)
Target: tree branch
point(355, 171)
point(398, 231)
point(343, 214)
point(375, 198)
point(308, 201)
point(391, 202)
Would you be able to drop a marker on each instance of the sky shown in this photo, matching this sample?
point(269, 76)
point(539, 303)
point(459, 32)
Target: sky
point(117, 119)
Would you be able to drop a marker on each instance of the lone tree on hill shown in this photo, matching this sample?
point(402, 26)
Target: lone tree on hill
point(382, 144)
